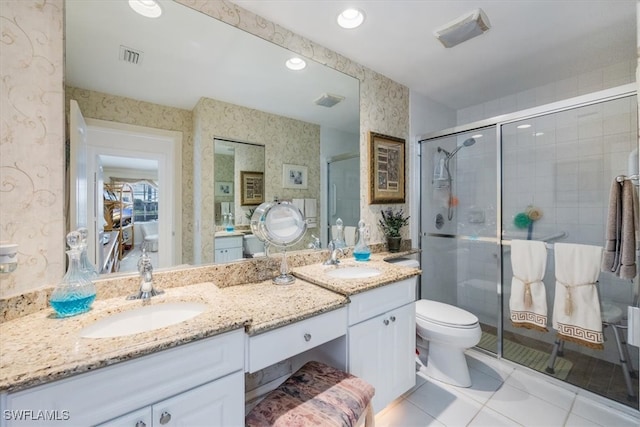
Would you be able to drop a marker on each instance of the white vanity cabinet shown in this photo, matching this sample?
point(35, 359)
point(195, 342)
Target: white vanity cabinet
point(200, 383)
point(381, 339)
point(228, 248)
point(212, 404)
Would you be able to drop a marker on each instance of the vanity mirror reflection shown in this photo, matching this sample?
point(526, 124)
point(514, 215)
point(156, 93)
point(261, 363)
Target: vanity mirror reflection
point(202, 79)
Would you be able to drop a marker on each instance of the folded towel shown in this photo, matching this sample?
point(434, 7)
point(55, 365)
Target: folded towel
point(576, 310)
point(528, 301)
point(620, 236)
point(350, 235)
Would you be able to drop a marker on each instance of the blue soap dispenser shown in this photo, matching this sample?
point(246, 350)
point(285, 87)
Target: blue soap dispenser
point(361, 251)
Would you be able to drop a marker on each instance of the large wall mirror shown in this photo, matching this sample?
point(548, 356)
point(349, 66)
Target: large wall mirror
point(180, 82)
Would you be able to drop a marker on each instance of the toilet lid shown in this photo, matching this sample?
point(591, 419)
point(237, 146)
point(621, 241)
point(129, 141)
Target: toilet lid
point(444, 314)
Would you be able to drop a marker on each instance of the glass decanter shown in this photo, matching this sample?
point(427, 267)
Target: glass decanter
point(339, 241)
point(86, 266)
point(75, 293)
point(361, 251)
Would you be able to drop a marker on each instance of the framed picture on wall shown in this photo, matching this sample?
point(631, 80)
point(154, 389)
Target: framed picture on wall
point(251, 188)
point(386, 169)
point(294, 176)
point(224, 188)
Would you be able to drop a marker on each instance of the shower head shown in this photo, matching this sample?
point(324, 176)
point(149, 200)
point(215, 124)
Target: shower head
point(467, 143)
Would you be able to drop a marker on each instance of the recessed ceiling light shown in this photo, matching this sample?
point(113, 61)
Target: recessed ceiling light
point(350, 18)
point(148, 8)
point(478, 135)
point(295, 63)
point(525, 126)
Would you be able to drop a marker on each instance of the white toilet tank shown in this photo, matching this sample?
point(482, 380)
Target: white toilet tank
point(252, 246)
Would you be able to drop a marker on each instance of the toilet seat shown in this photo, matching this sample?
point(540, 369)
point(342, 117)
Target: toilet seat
point(445, 315)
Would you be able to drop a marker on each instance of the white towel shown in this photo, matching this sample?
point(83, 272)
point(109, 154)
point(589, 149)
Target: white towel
point(528, 301)
point(310, 208)
point(350, 235)
point(576, 310)
point(225, 207)
point(299, 203)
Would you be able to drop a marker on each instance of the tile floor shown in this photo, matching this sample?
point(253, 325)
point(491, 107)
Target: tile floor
point(503, 394)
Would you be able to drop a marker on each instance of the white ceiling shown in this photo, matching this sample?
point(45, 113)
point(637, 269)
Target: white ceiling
point(530, 43)
point(188, 55)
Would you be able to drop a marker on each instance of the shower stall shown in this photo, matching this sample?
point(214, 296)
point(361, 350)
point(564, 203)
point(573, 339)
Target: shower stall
point(541, 174)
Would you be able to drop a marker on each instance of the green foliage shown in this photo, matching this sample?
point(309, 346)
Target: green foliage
point(392, 222)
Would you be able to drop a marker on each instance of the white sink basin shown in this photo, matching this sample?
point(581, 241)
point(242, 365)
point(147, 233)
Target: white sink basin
point(143, 319)
point(353, 272)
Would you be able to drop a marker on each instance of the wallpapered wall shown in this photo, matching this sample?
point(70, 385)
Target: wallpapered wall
point(285, 140)
point(32, 133)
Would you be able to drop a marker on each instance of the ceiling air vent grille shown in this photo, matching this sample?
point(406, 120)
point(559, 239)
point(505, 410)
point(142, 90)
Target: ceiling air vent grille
point(328, 100)
point(130, 55)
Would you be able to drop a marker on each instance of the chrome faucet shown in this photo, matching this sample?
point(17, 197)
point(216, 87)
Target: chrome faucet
point(146, 278)
point(316, 245)
point(333, 254)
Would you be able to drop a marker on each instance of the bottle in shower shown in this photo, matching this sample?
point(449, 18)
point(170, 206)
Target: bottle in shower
point(361, 251)
point(339, 241)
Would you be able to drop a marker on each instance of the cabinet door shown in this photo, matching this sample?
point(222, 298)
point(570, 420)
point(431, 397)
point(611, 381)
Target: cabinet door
point(402, 349)
point(218, 403)
point(368, 350)
point(139, 418)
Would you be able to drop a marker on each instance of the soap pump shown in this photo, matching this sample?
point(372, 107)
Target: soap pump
point(75, 292)
point(361, 251)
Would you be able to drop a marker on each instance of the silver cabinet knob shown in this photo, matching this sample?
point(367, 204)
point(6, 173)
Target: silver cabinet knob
point(385, 321)
point(307, 337)
point(141, 424)
point(393, 318)
point(165, 417)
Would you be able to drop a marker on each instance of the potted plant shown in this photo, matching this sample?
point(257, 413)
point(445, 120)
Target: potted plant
point(391, 223)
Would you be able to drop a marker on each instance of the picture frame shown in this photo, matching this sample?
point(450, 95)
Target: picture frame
point(294, 176)
point(251, 188)
point(224, 188)
point(386, 169)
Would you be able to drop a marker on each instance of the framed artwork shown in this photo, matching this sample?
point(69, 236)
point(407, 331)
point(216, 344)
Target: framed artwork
point(251, 188)
point(294, 176)
point(224, 188)
point(386, 169)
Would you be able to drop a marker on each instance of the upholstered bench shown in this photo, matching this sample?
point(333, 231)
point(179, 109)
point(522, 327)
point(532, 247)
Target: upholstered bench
point(316, 395)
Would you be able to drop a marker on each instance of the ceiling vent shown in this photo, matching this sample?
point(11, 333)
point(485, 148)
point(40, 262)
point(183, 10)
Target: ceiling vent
point(131, 56)
point(328, 100)
point(463, 28)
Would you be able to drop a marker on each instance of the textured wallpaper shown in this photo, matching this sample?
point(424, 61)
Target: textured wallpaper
point(32, 134)
point(31, 142)
point(285, 140)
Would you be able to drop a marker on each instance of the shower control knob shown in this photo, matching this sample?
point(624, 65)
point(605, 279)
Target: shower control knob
point(386, 322)
point(393, 318)
point(307, 337)
point(141, 424)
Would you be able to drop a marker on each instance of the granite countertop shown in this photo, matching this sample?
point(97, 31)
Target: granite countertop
point(316, 273)
point(39, 348)
point(271, 306)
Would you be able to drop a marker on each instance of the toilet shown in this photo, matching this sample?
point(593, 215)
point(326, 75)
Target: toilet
point(448, 332)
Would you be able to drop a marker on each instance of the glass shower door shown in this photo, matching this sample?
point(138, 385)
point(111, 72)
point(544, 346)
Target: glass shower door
point(460, 251)
point(344, 191)
point(557, 172)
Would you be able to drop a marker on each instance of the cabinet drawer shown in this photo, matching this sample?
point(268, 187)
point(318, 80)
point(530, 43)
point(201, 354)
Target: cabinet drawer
point(280, 344)
point(371, 303)
point(228, 242)
point(101, 395)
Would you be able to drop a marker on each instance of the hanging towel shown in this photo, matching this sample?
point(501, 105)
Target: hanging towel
point(528, 301)
point(576, 310)
point(620, 236)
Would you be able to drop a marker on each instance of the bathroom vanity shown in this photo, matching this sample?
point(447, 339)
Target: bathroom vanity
point(193, 372)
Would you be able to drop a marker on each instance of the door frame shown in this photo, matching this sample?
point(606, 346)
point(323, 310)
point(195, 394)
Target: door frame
point(164, 146)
